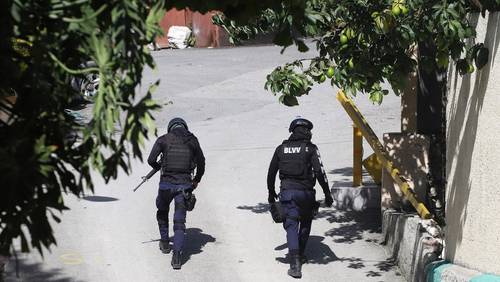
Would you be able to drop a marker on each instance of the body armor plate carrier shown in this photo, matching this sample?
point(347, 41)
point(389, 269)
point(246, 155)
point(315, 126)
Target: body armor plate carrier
point(293, 162)
point(178, 157)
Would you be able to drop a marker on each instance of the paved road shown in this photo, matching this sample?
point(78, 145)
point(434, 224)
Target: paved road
point(112, 235)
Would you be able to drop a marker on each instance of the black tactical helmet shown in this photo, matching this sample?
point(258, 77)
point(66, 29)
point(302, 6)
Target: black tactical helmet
point(176, 121)
point(300, 122)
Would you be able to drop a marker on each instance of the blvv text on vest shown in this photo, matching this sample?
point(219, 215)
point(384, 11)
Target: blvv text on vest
point(292, 150)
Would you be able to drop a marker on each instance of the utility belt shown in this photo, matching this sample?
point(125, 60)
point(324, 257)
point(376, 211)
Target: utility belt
point(172, 172)
point(278, 214)
point(186, 190)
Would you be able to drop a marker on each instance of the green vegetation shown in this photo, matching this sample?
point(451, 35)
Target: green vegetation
point(43, 45)
point(366, 42)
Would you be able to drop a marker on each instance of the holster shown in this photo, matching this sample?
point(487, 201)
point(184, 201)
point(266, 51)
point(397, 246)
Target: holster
point(189, 200)
point(276, 212)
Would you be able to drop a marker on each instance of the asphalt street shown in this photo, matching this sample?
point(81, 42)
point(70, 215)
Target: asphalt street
point(112, 235)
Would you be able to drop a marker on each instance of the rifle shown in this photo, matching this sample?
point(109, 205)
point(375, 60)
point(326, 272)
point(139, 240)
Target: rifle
point(147, 177)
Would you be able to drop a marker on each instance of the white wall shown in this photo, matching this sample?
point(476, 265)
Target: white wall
point(473, 158)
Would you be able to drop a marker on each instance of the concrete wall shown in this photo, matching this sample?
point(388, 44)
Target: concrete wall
point(409, 153)
point(473, 158)
point(172, 17)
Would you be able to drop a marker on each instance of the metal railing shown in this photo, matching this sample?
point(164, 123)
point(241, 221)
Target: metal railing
point(357, 153)
point(372, 139)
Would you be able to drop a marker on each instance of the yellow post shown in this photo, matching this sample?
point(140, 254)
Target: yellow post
point(382, 154)
point(373, 166)
point(357, 154)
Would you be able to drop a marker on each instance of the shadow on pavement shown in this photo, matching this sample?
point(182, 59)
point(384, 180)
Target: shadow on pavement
point(194, 242)
point(259, 208)
point(342, 177)
point(99, 199)
point(353, 225)
point(386, 266)
point(316, 252)
point(34, 272)
point(345, 171)
point(381, 266)
point(354, 263)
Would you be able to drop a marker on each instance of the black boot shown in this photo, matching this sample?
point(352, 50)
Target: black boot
point(303, 259)
point(165, 246)
point(295, 266)
point(176, 260)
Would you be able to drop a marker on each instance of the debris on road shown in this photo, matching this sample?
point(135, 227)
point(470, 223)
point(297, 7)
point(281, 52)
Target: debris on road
point(178, 37)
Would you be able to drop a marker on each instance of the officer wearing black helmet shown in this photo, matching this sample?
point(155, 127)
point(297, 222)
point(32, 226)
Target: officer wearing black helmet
point(299, 165)
point(180, 156)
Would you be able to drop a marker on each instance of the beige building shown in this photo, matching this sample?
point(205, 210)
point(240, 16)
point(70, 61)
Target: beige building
point(473, 158)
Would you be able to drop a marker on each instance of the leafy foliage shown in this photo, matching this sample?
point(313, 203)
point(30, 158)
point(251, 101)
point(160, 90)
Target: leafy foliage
point(264, 24)
point(363, 43)
point(292, 84)
point(44, 44)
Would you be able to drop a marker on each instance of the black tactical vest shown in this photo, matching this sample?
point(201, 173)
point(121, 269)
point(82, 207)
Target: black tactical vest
point(293, 160)
point(177, 156)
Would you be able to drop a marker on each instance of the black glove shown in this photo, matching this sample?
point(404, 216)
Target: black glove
point(328, 200)
point(271, 198)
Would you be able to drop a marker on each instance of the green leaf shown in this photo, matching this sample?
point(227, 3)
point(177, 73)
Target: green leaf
point(290, 101)
point(283, 38)
point(302, 46)
point(482, 57)
point(376, 97)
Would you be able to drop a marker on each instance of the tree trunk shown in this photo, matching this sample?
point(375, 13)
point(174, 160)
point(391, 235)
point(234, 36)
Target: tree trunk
point(431, 121)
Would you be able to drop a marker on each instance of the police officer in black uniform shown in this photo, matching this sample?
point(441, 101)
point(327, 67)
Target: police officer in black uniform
point(299, 165)
point(180, 155)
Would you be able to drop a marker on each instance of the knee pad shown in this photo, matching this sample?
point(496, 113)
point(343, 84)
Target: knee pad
point(180, 206)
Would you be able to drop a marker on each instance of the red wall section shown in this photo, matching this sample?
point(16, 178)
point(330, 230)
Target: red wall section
point(207, 34)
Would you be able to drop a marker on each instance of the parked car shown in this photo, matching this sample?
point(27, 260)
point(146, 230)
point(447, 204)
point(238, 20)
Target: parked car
point(87, 86)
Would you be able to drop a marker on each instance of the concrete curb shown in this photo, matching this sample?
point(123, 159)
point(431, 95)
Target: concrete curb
point(409, 244)
point(444, 271)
